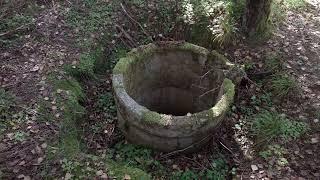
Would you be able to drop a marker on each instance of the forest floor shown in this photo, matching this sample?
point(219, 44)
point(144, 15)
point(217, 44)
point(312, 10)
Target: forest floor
point(34, 58)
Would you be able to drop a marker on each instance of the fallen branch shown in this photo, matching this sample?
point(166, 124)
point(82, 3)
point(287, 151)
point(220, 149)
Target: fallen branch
point(135, 21)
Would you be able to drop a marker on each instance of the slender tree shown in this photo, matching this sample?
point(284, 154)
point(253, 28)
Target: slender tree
point(257, 16)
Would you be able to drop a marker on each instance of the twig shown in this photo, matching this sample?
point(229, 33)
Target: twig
point(132, 19)
point(181, 150)
point(197, 86)
point(126, 44)
point(235, 158)
point(126, 35)
point(226, 147)
point(245, 77)
point(201, 77)
point(212, 90)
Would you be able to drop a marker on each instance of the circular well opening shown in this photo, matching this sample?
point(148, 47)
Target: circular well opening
point(173, 82)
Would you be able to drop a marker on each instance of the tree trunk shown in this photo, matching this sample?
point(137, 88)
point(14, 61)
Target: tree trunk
point(257, 16)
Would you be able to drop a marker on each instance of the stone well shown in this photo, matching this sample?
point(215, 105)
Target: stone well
point(171, 96)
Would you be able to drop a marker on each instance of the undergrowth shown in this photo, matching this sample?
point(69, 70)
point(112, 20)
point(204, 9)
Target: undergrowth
point(294, 4)
point(275, 155)
point(7, 103)
point(273, 62)
point(218, 170)
point(90, 20)
point(282, 85)
point(16, 20)
point(268, 126)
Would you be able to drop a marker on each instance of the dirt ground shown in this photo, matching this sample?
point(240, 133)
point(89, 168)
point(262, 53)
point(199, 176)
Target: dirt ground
point(25, 68)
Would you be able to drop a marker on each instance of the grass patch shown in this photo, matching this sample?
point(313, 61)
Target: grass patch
point(273, 62)
point(7, 102)
point(282, 85)
point(84, 70)
point(69, 94)
point(294, 4)
point(268, 126)
point(90, 19)
point(210, 21)
point(16, 20)
point(218, 170)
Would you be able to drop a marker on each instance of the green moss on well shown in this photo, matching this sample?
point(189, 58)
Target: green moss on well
point(225, 101)
point(143, 52)
point(193, 48)
point(152, 117)
point(215, 56)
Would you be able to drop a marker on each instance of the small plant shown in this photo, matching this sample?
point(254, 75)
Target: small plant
point(218, 170)
point(6, 109)
point(85, 69)
point(264, 99)
point(134, 155)
point(6, 104)
point(185, 175)
point(106, 103)
point(93, 17)
point(248, 65)
point(282, 85)
point(276, 153)
point(20, 136)
point(273, 62)
point(268, 126)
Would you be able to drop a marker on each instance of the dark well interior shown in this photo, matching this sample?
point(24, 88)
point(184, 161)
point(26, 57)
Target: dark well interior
point(173, 82)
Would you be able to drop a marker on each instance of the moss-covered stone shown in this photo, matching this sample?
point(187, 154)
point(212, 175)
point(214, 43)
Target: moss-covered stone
point(151, 117)
point(219, 58)
point(225, 101)
point(156, 89)
point(142, 52)
point(123, 64)
point(193, 48)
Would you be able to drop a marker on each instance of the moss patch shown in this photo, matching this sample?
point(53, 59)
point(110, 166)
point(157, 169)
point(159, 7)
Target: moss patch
point(72, 86)
point(123, 64)
point(226, 100)
point(217, 57)
point(151, 117)
point(120, 170)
